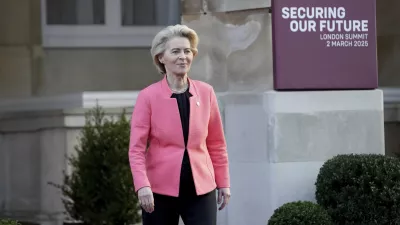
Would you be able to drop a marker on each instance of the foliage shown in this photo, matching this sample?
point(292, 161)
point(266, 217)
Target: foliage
point(100, 188)
point(300, 213)
point(9, 222)
point(360, 189)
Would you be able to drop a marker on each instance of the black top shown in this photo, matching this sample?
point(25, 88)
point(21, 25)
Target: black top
point(186, 180)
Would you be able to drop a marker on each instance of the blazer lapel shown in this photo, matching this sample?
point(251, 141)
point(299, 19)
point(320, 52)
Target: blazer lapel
point(194, 109)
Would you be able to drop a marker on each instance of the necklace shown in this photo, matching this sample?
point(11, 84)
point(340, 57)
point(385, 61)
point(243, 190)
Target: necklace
point(181, 90)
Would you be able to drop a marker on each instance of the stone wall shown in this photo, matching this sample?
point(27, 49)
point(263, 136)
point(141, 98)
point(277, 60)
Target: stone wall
point(33, 150)
point(29, 69)
point(388, 27)
point(20, 41)
point(235, 49)
point(99, 69)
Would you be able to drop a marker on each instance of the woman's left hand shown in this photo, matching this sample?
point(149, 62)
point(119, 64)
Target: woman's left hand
point(224, 194)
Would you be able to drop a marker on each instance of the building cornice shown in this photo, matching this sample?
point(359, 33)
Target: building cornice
point(84, 100)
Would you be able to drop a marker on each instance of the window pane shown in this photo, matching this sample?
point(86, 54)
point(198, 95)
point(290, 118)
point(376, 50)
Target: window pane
point(75, 12)
point(150, 12)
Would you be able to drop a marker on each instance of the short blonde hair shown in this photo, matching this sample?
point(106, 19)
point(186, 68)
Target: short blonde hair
point(158, 45)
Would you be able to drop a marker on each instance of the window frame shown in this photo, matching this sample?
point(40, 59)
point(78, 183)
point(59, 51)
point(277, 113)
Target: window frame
point(111, 34)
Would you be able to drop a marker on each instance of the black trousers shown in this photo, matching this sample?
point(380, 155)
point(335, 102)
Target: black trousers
point(194, 210)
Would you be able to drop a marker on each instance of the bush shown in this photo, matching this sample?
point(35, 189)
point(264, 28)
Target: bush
point(300, 213)
point(8, 222)
point(100, 188)
point(360, 189)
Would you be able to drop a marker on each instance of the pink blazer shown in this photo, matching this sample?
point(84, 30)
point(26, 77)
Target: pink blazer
point(156, 119)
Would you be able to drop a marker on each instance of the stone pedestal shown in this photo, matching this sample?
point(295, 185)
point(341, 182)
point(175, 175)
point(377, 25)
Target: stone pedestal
point(277, 142)
point(33, 146)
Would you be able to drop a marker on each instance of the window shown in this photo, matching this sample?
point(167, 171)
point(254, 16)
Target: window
point(106, 23)
point(75, 12)
point(149, 12)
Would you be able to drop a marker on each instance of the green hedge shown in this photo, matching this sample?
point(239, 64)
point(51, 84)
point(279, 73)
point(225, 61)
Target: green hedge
point(360, 189)
point(100, 189)
point(9, 222)
point(300, 213)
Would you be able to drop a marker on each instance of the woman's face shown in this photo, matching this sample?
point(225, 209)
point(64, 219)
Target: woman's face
point(177, 57)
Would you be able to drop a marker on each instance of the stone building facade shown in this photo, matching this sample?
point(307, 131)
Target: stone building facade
point(56, 61)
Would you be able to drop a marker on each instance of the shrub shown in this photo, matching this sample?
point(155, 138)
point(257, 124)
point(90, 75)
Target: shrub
point(300, 213)
point(8, 222)
point(360, 189)
point(100, 188)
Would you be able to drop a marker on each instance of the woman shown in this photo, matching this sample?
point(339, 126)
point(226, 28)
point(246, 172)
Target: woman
point(177, 146)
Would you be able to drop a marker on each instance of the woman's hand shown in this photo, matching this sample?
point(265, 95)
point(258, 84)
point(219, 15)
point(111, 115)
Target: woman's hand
point(224, 194)
point(146, 199)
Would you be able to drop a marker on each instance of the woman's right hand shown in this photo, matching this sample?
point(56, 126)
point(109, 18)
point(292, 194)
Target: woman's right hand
point(146, 199)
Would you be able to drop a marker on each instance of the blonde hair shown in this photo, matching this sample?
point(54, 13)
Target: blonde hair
point(158, 45)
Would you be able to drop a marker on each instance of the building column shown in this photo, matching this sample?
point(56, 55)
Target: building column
point(277, 141)
point(20, 47)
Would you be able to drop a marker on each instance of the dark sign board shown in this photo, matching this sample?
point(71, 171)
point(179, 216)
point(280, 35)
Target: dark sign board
point(324, 44)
